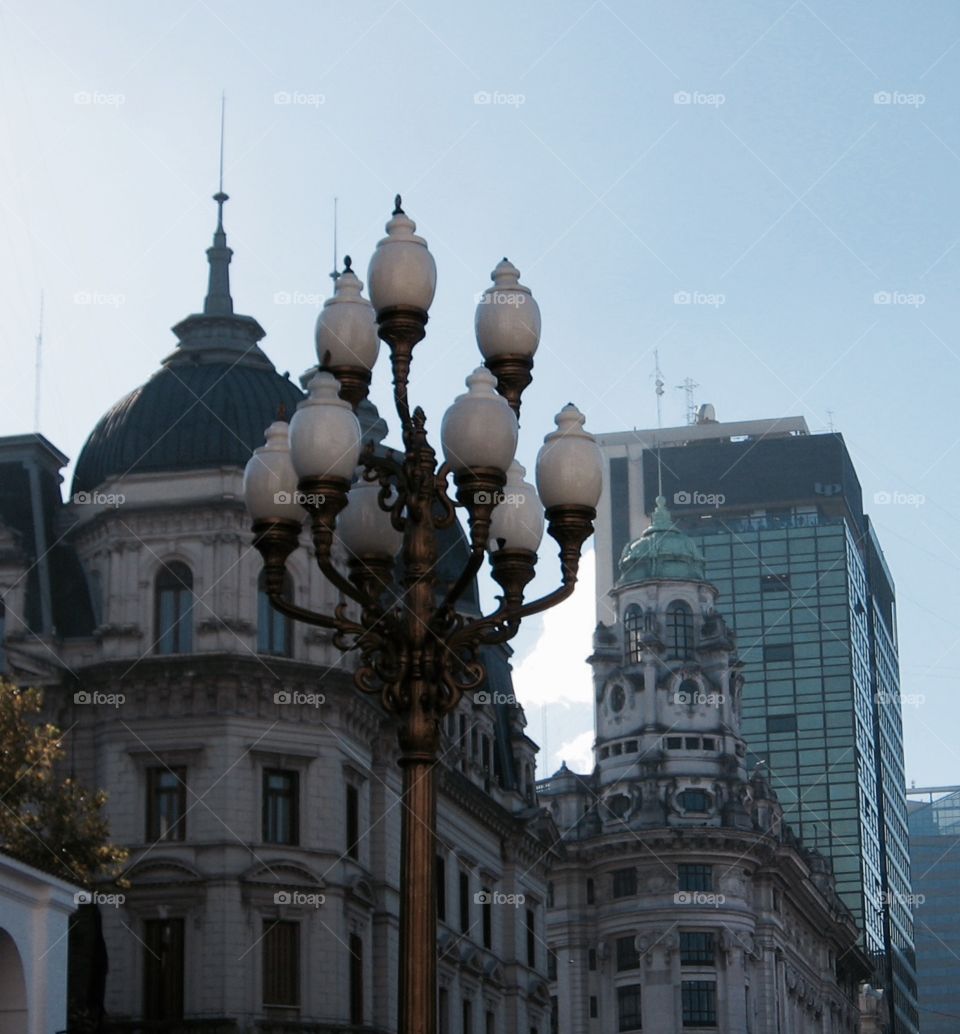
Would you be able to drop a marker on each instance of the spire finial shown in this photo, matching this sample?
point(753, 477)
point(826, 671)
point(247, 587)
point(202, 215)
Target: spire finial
point(218, 301)
point(398, 206)
point(334, 276)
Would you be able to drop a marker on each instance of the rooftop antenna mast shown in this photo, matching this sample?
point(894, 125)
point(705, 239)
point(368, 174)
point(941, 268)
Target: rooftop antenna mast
point(223, 110)
point(658, 387)
point(689, 386)
point(334, 276)
point(37, 370)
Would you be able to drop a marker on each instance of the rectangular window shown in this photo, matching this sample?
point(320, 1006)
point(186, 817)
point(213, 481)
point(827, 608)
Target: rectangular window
point(551, 964)
point(467, 1014)
point(694, 877)
point(281, 807)
point(781, 723)
point(590, 891)
point(353, 821)
point(491, 1025)
point(166, 803)
point(674, 742)
point(699, 1001)
point(487, 917)
point(591, 959)
point(593, 1007)
point(531, 939)
point(464, 902)
point(281, 965)
point(624, 883)
point(356, 979)
point(697, 948)
point(554, 1015)
point(627, 955)
point(163, 969)
point(629, 1016)
point(774, 583)
point(441, 877)
point(443, 1011)
point(777, 652)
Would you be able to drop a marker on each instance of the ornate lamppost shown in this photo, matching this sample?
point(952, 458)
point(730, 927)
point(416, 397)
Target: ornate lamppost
point(418, 653)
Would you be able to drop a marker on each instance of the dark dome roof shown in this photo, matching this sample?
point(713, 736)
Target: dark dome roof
point(189, 415)
point(209, 403)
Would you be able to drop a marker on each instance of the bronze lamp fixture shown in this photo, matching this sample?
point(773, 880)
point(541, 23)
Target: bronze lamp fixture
point(417, 651)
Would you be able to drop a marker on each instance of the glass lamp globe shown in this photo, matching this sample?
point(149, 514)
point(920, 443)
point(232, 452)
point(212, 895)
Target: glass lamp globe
point(363, 527)
point(507, 320)
point(269, 480)
point(480, 429)
point(324, 433)
point(346, 332)
point(517, 520)
point(401, 271)
point(569, 464)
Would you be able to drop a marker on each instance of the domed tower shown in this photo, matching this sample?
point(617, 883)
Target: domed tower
point(667, 691)
point(681, 898)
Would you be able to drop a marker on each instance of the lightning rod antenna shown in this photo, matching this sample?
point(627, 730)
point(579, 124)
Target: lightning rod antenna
point(38, 363)
point(223, 111)
point(334, 275)
point(659, 386)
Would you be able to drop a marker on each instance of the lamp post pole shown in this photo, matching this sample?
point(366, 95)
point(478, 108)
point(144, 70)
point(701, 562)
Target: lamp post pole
point(418, 653)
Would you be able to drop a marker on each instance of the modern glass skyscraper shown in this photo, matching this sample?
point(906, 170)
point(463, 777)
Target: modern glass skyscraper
point(935, 865)
point(779, 516)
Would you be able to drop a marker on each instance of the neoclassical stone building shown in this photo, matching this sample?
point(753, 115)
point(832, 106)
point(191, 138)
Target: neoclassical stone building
point(256, 788)
point(681, 900)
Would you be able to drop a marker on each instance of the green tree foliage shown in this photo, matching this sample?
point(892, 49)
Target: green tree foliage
point(48, 822)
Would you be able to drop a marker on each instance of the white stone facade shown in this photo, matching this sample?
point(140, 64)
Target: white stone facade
point(35, 910)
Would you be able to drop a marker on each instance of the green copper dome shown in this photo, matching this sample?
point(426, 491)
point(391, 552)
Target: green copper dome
point(662, 551)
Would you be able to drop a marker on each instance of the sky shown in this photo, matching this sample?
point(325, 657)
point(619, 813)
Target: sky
point(764, 191)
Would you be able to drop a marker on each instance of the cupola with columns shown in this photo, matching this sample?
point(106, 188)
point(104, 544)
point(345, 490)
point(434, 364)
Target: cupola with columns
point(667, 685)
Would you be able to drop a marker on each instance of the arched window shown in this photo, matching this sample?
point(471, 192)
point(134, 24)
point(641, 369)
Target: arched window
point(174, 608)
point(680, 630)
point(273, 628)
point(632, 632)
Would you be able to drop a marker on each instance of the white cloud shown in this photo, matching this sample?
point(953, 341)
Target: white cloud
point(554, 668)
point(578, 752)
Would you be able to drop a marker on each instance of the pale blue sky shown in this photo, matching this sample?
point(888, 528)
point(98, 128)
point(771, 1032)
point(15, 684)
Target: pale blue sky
point(782, 187)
